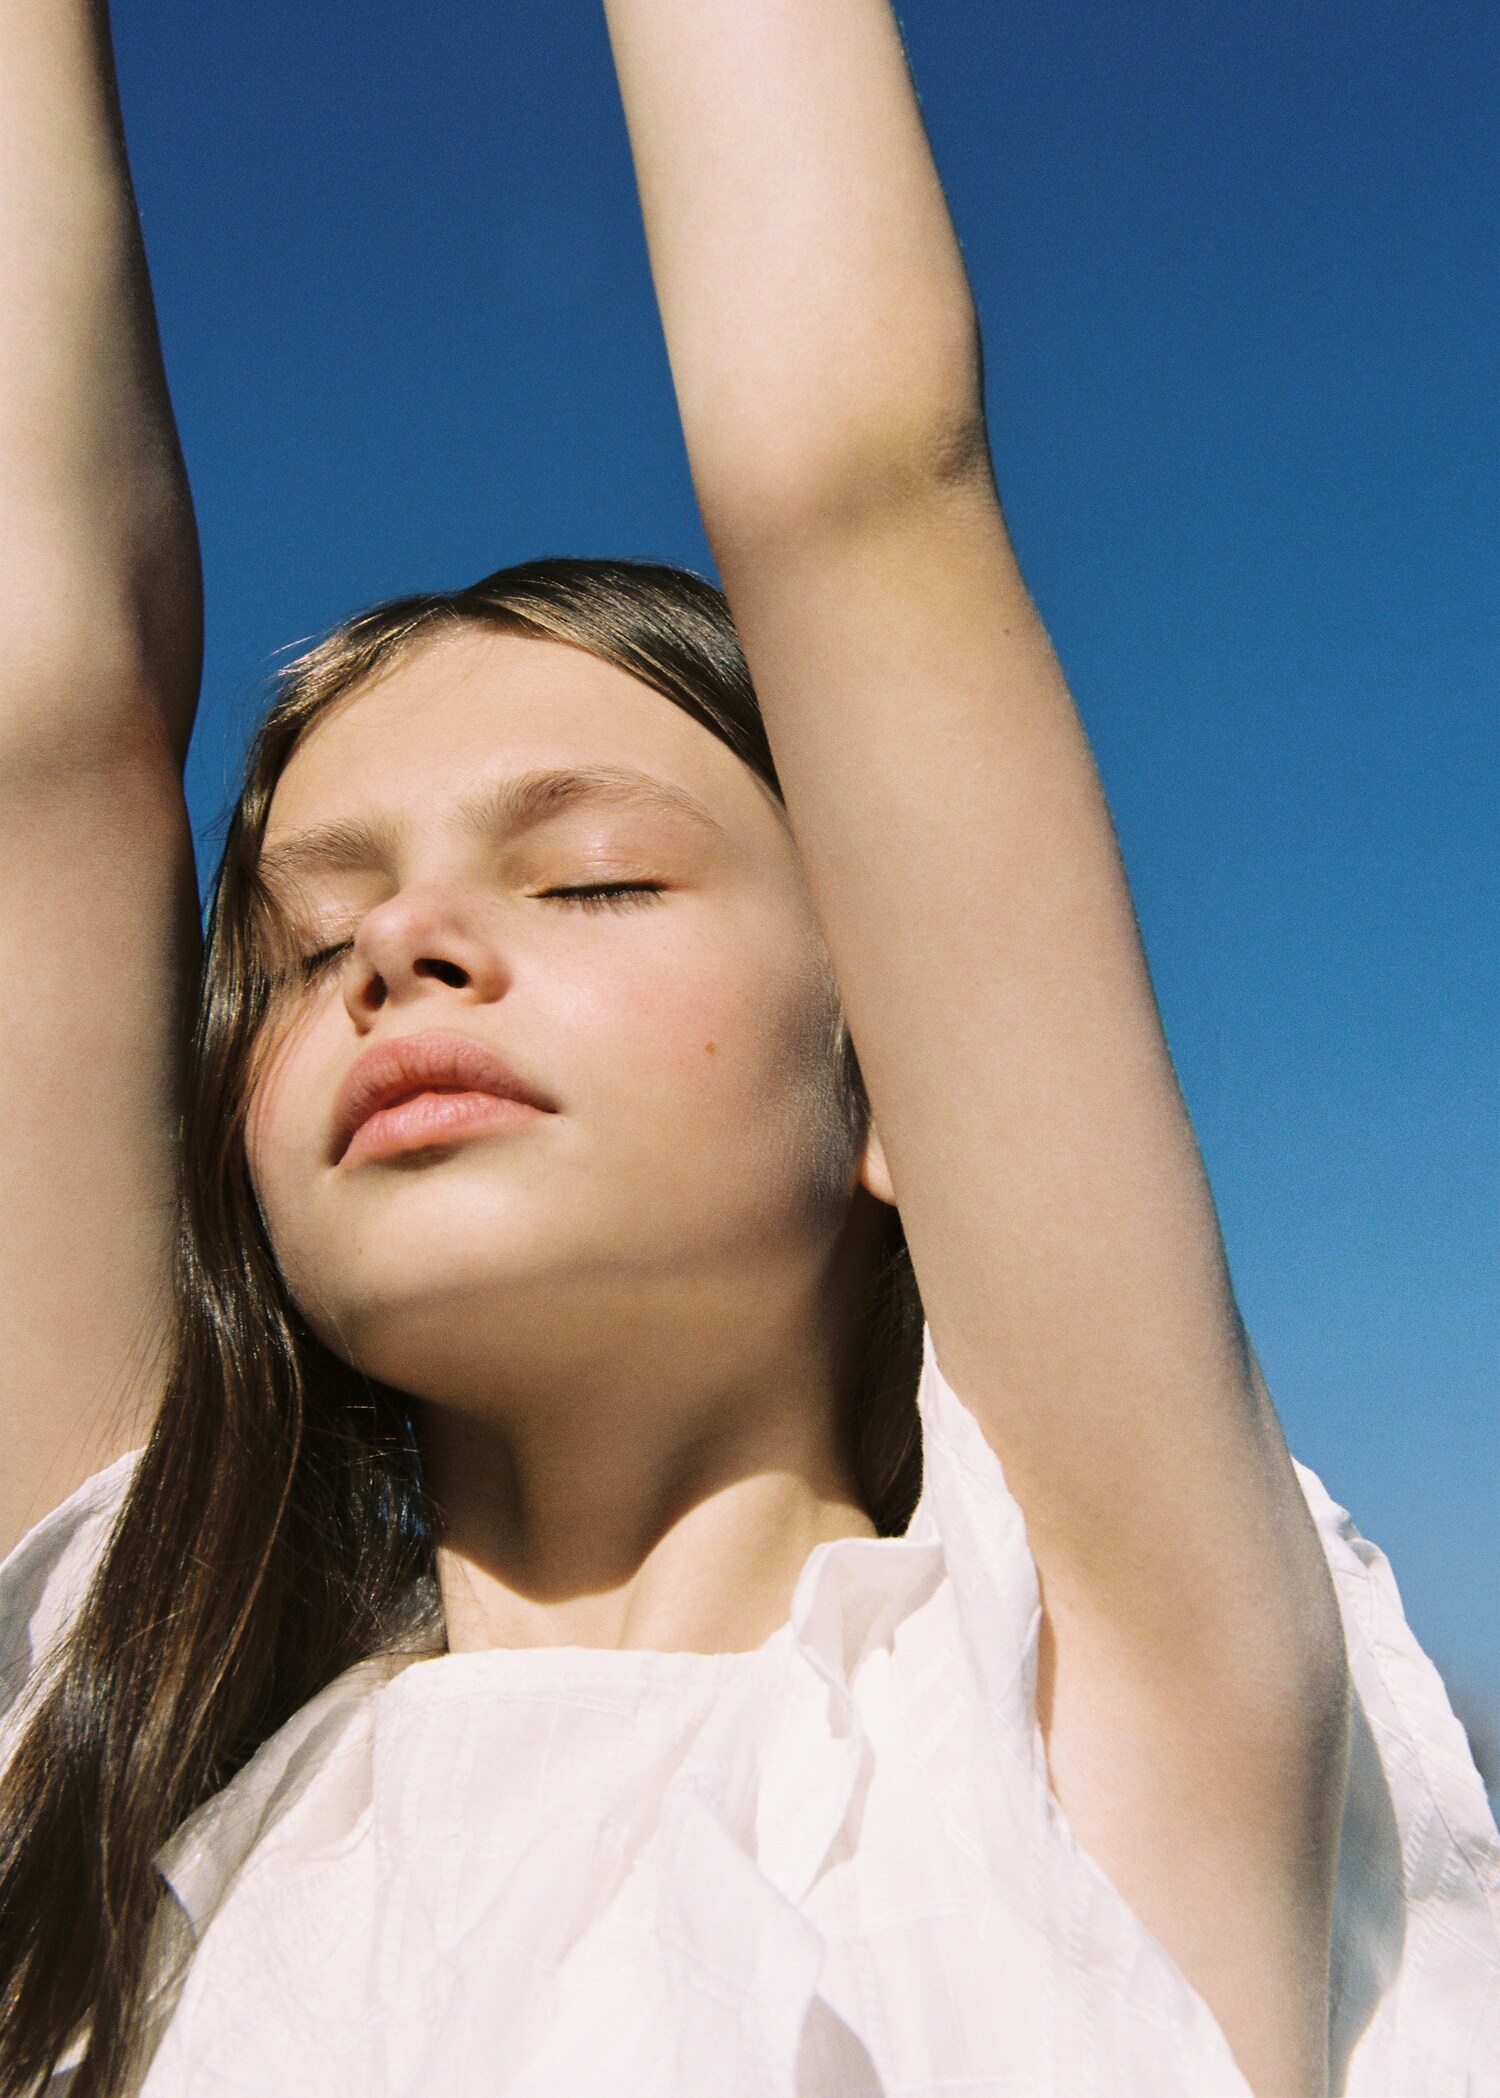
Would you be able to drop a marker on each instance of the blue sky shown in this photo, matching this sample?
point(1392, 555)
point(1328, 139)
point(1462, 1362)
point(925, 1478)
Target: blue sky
point(1237, 272)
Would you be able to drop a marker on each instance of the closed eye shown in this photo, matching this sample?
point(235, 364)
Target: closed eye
point(312, 965)
point(604, 895)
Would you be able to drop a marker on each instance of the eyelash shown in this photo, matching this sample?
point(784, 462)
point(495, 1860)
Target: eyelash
point(605, 895)
point(314, 964)
point(589, 896)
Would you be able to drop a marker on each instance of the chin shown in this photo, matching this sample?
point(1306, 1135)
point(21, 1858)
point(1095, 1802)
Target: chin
point(435, 1280)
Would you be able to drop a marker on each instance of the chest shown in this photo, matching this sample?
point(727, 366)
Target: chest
point(628, 1886)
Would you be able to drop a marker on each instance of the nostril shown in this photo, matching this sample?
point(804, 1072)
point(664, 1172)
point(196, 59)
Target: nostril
point(445, 972)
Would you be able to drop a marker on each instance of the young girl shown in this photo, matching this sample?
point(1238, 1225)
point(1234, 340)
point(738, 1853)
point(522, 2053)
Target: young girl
point(570, 1628)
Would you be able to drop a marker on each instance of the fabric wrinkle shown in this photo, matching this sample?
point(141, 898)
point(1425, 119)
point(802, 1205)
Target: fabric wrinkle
point(831, 1868)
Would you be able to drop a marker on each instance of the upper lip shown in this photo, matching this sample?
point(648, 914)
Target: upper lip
point(423, 1063)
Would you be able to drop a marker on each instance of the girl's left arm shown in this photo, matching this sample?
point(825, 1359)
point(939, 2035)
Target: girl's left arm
point(951, 820)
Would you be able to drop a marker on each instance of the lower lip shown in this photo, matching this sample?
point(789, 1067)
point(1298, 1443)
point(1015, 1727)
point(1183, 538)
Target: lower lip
point(434, 1122)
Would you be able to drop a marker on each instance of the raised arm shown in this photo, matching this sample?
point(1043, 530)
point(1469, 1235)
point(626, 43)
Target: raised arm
point(99, 651)
point(942, 792)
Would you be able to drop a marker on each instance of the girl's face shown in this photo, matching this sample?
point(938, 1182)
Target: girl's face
point(559, 1034)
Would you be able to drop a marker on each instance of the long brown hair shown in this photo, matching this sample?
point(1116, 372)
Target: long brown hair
point(275, 1532)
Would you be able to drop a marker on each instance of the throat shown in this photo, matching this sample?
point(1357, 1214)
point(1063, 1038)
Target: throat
point(711, 1570)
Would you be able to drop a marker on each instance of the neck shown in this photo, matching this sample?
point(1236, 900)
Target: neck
point(650, 1490)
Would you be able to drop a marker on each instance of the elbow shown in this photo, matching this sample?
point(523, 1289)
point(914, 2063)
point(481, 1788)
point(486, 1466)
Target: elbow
point(859, 448)
point(98, 670)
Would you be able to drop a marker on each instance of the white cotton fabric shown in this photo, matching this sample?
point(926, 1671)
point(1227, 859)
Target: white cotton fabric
point(831, 1868)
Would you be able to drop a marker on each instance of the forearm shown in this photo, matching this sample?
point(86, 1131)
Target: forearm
point(816, 309)
point(100, 591)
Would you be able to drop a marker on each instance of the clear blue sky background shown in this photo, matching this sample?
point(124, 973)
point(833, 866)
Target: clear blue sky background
point(1237, 267)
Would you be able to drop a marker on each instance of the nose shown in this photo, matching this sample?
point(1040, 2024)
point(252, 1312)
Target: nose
point(420, 943)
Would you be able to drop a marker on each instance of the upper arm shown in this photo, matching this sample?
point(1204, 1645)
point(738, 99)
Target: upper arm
point(98, 930)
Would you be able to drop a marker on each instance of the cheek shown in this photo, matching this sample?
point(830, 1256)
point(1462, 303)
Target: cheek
point(719, 1060)
point(281, 1134)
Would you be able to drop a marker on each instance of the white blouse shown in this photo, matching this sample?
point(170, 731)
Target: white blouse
point(831, 1868)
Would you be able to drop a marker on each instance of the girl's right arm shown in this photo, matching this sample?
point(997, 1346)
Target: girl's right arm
point(100, 643)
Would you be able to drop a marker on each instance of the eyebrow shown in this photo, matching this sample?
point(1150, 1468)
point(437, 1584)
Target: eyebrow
point(534, 798)
point(515, 806)
point(327, 848)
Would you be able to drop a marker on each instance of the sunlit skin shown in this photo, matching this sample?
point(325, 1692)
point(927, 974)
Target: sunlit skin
point(621, 1311)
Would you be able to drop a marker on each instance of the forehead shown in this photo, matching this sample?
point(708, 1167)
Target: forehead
point(469, 716)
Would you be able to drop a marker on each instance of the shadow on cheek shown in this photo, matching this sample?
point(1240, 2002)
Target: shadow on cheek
point(280, 1126)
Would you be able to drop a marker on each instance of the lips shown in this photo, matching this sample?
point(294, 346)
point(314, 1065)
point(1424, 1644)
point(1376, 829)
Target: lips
point(422, 1091)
